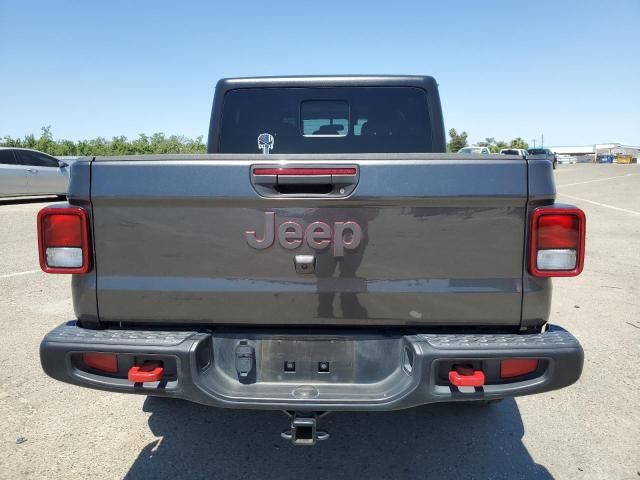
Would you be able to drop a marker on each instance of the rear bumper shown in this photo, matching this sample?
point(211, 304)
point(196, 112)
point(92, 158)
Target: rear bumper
point(369, 371)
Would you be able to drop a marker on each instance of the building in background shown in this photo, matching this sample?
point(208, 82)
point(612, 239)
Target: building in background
point(599, 152)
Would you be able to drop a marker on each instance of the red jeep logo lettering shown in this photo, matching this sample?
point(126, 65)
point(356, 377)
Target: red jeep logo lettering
point(318, 235)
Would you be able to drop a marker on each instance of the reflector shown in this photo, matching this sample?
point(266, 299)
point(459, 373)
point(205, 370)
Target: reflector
point(105, 362)
point(517, 367)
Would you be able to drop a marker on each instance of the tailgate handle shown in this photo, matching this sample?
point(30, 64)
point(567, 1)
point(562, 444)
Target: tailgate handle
point(310, 180)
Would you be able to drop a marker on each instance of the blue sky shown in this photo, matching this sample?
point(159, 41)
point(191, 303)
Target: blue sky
point(568, 70)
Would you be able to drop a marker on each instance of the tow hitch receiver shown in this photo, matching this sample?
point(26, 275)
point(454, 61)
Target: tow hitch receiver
point(465, 376)
point(304, 431)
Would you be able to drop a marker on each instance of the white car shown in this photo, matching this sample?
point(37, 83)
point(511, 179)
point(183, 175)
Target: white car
point(29, 172)
point(475, 150)
point(514, 151)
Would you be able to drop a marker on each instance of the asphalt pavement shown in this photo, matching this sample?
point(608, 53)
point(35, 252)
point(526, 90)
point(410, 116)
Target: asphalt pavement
point(590, 430)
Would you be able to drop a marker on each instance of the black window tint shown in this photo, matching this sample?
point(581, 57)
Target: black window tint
point(327, 120)
point(37, 159)
point(7, 157)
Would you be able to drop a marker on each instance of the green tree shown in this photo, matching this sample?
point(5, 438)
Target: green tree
point(519, 143)
point(458, 140)
point(120, 145)
point(494, 145)
point(45, 143)
point(499, 145)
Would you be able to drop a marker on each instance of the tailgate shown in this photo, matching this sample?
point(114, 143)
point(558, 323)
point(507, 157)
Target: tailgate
point(428, 239)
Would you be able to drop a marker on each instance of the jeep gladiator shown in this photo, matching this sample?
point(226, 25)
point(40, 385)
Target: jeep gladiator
point(324, 255)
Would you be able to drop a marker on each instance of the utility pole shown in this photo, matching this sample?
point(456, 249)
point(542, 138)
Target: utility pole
point(542, 141)
point(533, 140)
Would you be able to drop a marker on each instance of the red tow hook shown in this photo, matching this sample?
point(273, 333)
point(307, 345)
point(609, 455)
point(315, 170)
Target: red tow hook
point(465, 376)
point(147, 372)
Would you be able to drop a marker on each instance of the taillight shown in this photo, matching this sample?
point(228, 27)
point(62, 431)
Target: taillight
point(349, 171)
point(557, 242)
point(63, 240)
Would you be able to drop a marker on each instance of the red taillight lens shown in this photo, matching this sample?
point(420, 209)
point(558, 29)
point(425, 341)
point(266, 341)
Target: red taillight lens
point(557, 242)
point(558, 231)
point(517, 367)
point(63, 230)
point(305, 171)
point(63, 240)
point(105, 362)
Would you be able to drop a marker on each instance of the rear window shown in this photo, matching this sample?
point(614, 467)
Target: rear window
point(325, 117)
point(537, 151)
point(327, 120)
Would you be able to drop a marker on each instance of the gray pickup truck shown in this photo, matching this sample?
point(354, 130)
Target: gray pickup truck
point(325, 255)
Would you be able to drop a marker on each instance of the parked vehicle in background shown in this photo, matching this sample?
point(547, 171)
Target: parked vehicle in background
point(353, 265)
point(514, 151)
point(544, 153)
point(475, 150)
point(29, 172)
